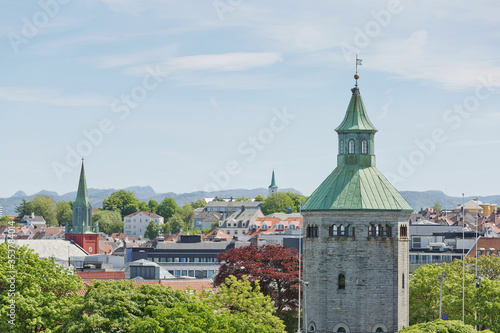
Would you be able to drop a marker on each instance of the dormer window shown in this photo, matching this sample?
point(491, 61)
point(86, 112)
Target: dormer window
point(341, 147)
point(351, 146)
point(364, 147)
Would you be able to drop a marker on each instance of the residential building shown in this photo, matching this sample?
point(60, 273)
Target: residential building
point(205, 219)
point(1, 211)
point(33, 221)
point(238, 223)
point(229, 207)
point(356, 244)
point(135, 224)
point(486, 246)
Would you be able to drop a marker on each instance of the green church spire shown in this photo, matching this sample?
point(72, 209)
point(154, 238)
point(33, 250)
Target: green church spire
point(82, 209)
point(82, 196)
point(356, 119)
point(273, 182)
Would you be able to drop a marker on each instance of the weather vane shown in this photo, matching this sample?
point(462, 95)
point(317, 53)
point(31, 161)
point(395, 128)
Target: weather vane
point(358, 63)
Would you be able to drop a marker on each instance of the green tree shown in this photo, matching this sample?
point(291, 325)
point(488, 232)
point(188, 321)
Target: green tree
point(64, 213)
point(122, 201)
point(24, 208)
point(153, 205)
point(245, 297)
point(176, 223)
point(216, 199)
point(187, 213)
point(243, 199)
point(167, 208)
point(425, 292)
point(151, 231)
point(199, 204)
point(43, 290)
point(109, 221)
point(143, 207)
point(441, 326)
point(6, 221)
point(437, 207)
point(43, 205)
point(297, 199)
point(277, 203)
point(260, 198)
point(112, 306)
point(207, 230)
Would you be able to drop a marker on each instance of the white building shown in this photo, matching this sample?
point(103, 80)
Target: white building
point(135, 224)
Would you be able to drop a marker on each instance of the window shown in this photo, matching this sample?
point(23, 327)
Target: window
point(312, 231)
point(403, 231)
point(351, 146)
point(341, 282)
point(341, 329)
point(372, 231)
point(342, 231)
point(341, 147)
point(333, 230)
point(364, 147)
point(403, 281)
point(379, 330)
point(416, 242)
point(388, 230)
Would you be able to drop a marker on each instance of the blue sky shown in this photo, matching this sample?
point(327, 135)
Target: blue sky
point(214, 94)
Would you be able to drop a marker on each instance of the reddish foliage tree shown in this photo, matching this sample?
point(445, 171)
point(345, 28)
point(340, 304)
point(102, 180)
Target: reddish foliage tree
point(276, 268)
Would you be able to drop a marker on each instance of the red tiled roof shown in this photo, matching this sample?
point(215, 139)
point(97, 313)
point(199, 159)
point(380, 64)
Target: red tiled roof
point(101, 275)
point(106, 249)
point(217, 233)
point(486, 243)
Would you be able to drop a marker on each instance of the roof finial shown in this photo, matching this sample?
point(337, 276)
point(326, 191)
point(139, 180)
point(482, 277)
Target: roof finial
point(356, 76)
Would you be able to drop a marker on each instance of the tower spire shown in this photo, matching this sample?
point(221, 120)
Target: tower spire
point(273, 188)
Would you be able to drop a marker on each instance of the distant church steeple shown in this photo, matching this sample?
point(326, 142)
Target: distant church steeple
point(81, 231)
point(273, 188)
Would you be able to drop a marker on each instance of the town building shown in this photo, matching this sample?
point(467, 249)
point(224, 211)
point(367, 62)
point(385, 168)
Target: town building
point(356, 245)
point(238, 223)
point(273, 188)
point(82, 232)
point(33, 221)
point(135, 224)
point(228, 207)
point(205, 219)
point(188, 257)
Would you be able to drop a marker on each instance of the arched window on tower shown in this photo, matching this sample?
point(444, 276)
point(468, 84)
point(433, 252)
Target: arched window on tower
point(364, 147)
point(341, 147)
point(342, 231)
point(333, 230)
point(341, 281)
point(351, 146)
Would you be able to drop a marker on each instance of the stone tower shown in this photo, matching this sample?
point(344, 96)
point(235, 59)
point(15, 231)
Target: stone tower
point(273, 188)
point(81, 231)
point(356, 240)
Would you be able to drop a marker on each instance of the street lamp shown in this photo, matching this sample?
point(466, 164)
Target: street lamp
point(441, 278)
point(305, 284)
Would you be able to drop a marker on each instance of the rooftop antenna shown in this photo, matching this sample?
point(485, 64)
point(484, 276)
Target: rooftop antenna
point(356, 76)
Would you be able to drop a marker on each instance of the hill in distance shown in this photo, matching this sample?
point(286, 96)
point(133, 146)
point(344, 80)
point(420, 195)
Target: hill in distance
point(416, 199)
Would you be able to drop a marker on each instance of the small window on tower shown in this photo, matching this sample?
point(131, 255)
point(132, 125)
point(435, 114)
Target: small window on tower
point(351, 146)
point(364, 147)
point(341, 281)
point(341, 147)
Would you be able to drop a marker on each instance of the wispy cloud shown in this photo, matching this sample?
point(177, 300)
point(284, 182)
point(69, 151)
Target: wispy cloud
point(224, 62)
point(49, 96)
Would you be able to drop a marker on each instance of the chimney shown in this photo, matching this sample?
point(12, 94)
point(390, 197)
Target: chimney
point(32, 215)
point(242, 208)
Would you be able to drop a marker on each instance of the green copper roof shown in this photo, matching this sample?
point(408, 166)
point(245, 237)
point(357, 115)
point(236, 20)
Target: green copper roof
point(82, 195)
point(356, 188)
point(356, 119)
point(273, 182)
